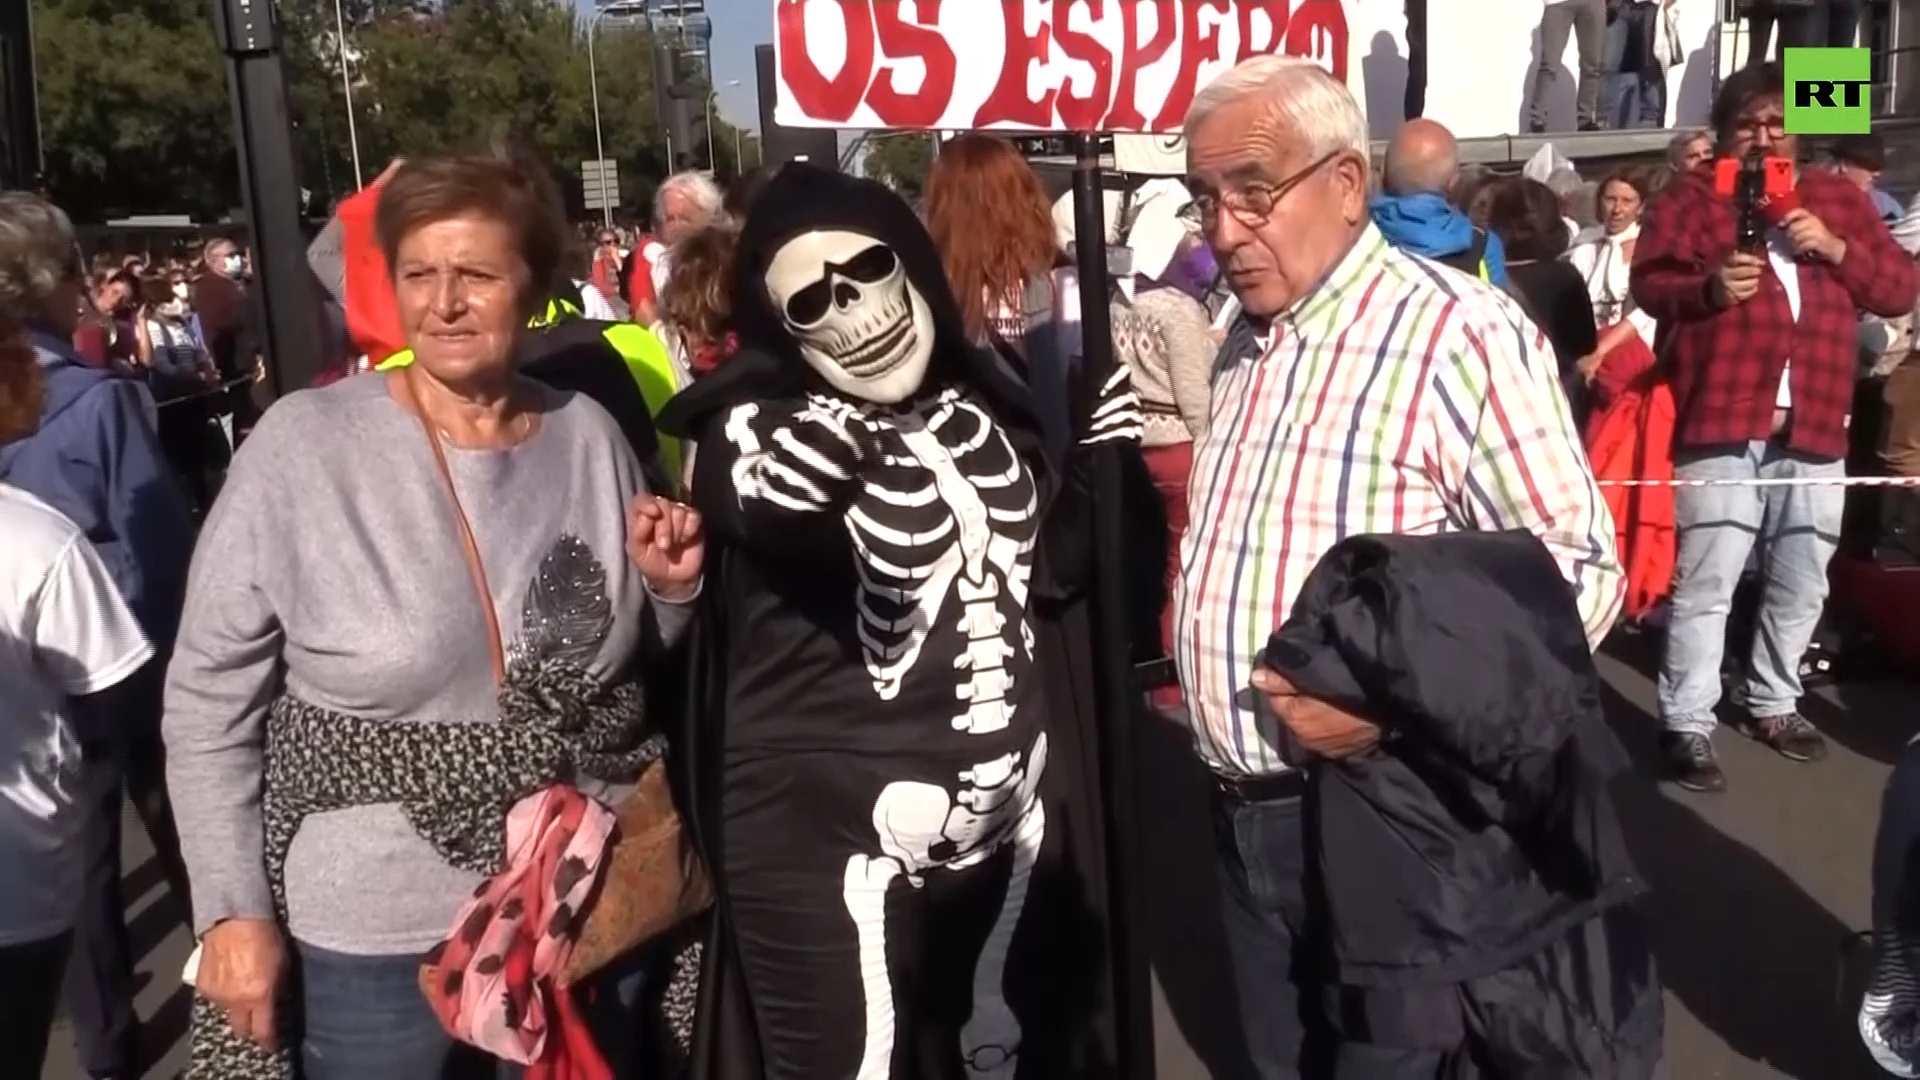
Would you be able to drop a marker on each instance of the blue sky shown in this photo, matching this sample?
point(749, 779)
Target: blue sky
point(738, 25)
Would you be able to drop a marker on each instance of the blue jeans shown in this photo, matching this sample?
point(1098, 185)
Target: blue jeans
point(1632, 99)
point(1264, 861)
point(1798, 527)
point(365, 1019)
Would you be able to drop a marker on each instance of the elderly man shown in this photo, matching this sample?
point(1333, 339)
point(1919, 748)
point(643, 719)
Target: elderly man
point(686, 203)
point(1415, 210)
point(1360, 392)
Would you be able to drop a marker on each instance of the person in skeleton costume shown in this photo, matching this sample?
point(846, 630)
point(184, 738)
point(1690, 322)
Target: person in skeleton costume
point(890, 766)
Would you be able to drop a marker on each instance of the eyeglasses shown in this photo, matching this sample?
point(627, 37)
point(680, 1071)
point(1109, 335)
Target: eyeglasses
point(1774, 126)
point(1251, 205)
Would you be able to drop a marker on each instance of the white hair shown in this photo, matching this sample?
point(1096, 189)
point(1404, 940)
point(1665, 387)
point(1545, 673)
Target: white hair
point(695, 185)
point(1314, 103)
point(37, 253)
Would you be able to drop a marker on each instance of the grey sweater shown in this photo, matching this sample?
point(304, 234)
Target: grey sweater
point(330, 568)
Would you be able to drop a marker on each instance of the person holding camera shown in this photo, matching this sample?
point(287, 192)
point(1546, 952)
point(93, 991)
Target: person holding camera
point(1756, 296)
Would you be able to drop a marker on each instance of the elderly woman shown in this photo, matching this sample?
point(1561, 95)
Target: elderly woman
point(685, 203)
point(412, 608)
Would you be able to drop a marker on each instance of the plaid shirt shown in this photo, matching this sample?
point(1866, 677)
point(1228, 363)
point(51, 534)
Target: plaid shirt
point(1726, 364)
point(1398, 397)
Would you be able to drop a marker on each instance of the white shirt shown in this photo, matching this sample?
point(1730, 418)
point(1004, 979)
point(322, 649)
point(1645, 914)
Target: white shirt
point(659, 265)
point(1787, 269)
point(1602, 263)
point(593, 303)
point(64, 633)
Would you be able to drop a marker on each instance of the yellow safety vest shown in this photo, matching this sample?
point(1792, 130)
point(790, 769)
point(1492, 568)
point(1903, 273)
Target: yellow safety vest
point(652, 368)
point(647, 359)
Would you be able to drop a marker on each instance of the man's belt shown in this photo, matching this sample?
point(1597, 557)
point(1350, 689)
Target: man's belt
point(1271, 787)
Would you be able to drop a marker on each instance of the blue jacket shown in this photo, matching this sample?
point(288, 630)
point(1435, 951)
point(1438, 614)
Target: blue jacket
point(97, 459)
point(1427, 224)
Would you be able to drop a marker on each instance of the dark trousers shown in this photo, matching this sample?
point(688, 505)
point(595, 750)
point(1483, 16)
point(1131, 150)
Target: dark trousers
point(1264, 877)
point(123, 759)
point(29, 983)
point(1827, 24)
point(364, 1018)
point(186, 430)
point(1416, 103)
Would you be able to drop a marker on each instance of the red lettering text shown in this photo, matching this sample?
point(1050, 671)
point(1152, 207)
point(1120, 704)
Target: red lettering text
point(1040, 78)
point(818, 97)
point(1012, 100)
point(1318, 31)
point(1083, 113)
point(1126, 115)
point(1276, 13)
point(900, 40)
point(1198, 44)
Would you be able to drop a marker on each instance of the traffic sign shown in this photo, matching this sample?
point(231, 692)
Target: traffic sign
point(600, 184)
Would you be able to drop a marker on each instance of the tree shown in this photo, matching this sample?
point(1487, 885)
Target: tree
point(133, 107)
point(136, 118)
point(901, 162)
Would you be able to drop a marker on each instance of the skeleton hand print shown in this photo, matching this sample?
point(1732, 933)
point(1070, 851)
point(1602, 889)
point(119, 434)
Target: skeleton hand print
point(1116, 412)
point(807, 460)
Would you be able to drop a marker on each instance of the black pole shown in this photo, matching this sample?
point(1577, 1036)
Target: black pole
point(249, 39)
point(20, 156)
point(1117, 700)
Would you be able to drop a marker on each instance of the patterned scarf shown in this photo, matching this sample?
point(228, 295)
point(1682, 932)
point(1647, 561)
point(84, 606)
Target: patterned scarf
point(496, 983)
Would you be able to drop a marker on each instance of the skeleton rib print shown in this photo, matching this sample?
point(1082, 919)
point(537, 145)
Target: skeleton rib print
point(944, 529)
point(943, 526)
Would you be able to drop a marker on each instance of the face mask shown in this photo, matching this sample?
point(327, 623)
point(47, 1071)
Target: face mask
point(860, 323)
point(231, 265)
point(173, 309)
point(180, 290)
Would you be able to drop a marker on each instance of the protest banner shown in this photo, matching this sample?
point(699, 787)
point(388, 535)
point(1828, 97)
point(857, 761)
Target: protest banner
point(1031, 65)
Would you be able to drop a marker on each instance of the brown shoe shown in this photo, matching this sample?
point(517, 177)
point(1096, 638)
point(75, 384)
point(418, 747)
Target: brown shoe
point(1790, 735)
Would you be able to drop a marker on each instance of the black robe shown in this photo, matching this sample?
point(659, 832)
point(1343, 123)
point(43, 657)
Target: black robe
point(776, 639)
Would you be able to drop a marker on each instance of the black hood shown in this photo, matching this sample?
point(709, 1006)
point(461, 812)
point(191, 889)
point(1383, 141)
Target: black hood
point(803, 198)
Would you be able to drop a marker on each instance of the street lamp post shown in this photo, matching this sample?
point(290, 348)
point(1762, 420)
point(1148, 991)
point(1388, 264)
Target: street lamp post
point(346, 86)
point(713, 94)
point(618, 7)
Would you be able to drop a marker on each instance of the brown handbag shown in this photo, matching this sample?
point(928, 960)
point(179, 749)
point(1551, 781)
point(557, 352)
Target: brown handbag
point(652, 880)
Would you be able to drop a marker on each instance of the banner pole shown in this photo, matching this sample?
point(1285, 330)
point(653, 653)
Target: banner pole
point(1118, 702)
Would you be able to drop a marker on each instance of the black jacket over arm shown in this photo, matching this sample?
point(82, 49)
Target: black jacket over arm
point(1480, 831)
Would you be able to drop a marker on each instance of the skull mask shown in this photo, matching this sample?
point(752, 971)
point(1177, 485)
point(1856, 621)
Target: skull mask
point(860, 323)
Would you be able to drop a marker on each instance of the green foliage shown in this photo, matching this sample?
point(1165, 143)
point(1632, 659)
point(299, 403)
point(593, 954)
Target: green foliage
point(136, 118)
point(901, 162)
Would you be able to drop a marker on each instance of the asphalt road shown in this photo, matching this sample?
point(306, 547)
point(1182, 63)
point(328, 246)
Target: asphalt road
point(1755, 891)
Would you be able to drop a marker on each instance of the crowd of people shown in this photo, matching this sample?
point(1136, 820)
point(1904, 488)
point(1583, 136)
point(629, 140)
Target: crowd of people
point(677, 650)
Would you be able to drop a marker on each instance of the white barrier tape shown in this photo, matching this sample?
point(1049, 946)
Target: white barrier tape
point(1779, 481)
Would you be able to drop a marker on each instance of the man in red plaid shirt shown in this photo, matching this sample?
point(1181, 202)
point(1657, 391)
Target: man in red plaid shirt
point(1760, 348)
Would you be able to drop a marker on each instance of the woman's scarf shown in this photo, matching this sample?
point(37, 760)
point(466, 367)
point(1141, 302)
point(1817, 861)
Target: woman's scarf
point(495, 983)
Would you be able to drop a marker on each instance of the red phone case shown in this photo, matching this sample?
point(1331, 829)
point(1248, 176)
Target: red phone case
point(1779, 177)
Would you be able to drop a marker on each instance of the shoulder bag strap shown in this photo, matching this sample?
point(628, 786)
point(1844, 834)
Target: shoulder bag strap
point(469, 549)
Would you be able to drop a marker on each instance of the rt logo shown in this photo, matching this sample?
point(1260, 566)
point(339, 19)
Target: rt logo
point(1829, 91)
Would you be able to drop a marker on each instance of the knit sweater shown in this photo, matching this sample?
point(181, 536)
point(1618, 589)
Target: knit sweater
point(1173, 368)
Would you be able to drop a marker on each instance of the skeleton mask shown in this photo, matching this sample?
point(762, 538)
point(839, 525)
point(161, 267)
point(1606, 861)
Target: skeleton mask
point(860, 323)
